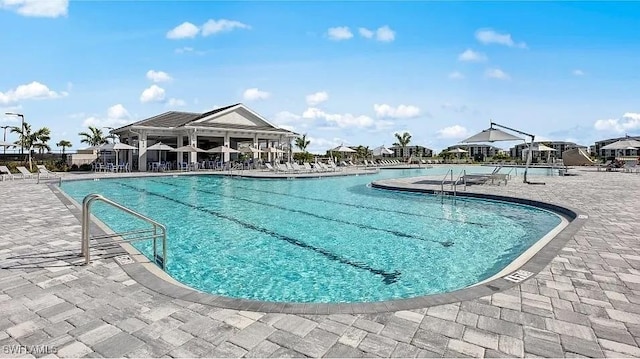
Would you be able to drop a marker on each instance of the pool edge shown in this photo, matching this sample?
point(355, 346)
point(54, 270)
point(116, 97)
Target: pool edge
point(151, 277)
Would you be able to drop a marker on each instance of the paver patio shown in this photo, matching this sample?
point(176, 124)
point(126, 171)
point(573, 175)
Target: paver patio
point(586, 302)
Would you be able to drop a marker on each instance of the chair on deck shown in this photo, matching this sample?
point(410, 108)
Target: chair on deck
point(44, 172)
point(25, 172)
point(4, 171)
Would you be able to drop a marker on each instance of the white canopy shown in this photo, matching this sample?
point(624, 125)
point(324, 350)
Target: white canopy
point(159, 147)
point(491, 135)
point(116, 147)
point(343, 148)
point(379, 151)
point(622, 145)
point(250, 150)
point(272, 150)
point(457, 150)
point(541, 147)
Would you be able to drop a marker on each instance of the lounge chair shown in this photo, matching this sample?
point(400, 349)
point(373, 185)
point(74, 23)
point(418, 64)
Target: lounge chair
point(25, 172)
point(4, 171)
point(308, 167)
point(44, 172)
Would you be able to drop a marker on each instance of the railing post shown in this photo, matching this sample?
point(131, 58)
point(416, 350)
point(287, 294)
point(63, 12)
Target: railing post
point(155, 251)
point(164, 248)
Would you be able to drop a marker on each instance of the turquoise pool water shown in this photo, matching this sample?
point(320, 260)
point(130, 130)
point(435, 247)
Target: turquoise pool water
point(320, 240)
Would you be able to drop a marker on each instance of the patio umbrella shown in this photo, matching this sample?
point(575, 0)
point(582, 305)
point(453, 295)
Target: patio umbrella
point(222, 149)
point(116, 147)
point(250, 150)
point(188, 148)
point(159, 146)
point(492, 134)
point(343, 149)
point(457, 150)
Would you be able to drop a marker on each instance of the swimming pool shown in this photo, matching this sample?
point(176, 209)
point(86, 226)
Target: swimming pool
point(320, 240)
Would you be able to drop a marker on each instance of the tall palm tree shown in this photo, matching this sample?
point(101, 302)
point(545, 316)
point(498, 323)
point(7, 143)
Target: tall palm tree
point(40, 138)
point(94, 137)
point(302, 143)
point(403, 141)
point(24, 134)
point(64, 144)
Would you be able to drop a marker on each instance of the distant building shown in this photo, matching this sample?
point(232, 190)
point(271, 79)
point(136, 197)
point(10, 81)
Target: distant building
point(478, 151)
point(558, 146)
point(410, 151)
point(613, 153)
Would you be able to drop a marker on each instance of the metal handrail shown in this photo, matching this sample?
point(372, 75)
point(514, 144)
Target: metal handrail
point(86, 221)
point(463, 175)
point(444, 179)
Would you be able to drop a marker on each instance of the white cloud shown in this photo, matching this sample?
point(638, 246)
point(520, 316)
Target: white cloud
point(317, 98)
point(183, 50)
point(321, 145)
point(497, 74)
point(630, 121)
point(488, 36)
point(382, 34)
point(153, 93)
point(283, 117)
point(118, 112)
point(385, 34)
point(401, 111)
point(37, 8)
point(183, 31)
point(339, 33)
point(158, 76)
point(117, 115)
point(577, 72)
point(456, 75)
point(253, 94)
point(472, 56)
point(347, 120)
point(453, 132)
point(454, 108)
point(33, 90)
point(213, 27)
point(176, 102)
point(366, 33)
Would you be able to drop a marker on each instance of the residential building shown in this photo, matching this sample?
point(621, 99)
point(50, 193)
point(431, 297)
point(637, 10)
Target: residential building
point(558, 146)
point(608, 154)
point(478, 151)
point(411, 151)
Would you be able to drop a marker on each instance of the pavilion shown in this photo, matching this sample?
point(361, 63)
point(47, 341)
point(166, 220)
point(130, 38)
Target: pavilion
point(226, 126)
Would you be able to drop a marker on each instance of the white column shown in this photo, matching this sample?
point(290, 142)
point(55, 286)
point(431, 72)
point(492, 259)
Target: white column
point(142, 152)
point(193, 141)
point(180, 143)
point(256, 145)
point(227, 143)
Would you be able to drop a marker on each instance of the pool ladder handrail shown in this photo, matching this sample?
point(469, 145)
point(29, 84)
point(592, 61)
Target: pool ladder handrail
point(145, 234)
point(446, 175)
point(461, 176)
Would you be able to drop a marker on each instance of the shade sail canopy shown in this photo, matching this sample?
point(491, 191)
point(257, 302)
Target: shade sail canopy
point(188, 148)
point(379, 151)
point(250, 150)
point(343, 148)
point(622, 145)
point(160, 147)
point(223, 149)
point(542, 148)
point(457, 150)
point(491, 135)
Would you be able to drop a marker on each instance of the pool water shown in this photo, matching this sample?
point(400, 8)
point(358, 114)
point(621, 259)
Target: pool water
point(320, 240)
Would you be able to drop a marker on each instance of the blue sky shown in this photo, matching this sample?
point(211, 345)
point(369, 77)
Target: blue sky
point(342, 72)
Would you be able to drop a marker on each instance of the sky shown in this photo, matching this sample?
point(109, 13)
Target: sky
point(350, 73)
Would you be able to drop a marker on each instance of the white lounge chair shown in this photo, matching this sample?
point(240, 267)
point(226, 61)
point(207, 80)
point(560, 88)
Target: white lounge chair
point(4, 171)
point(25, 172)
point(44, 172)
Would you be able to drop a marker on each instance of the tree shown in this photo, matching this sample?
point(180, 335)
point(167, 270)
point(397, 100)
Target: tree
point(362, 152)
point(403, 141)
point(64, 144)
point(302, 143)
point(40, 138)
point(94, 137)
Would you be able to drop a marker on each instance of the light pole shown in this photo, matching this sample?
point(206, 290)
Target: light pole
point(5, 137)
point(21, 129)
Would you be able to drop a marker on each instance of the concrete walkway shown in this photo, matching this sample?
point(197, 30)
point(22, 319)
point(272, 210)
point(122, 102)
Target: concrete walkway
point(585, 303)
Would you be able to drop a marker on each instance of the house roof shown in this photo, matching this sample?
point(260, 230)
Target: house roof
point(174, 119)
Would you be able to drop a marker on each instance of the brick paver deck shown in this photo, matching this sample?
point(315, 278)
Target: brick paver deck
point(586, 302)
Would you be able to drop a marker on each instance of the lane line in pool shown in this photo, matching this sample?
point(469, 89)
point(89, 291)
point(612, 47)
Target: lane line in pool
point(271, 205)
point(386, 210)
point(387, 277)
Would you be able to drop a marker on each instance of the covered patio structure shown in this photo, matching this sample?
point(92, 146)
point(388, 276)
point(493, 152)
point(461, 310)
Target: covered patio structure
point(227, 126)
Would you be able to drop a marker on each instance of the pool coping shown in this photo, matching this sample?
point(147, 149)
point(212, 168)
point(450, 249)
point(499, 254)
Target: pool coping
point(148, 275)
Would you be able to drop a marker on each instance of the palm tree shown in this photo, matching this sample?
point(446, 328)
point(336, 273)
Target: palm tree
point(302, 143)
point(403, 141)
point(64, 144)
point(23, 135)
point(94, 137)
point(40, 138)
